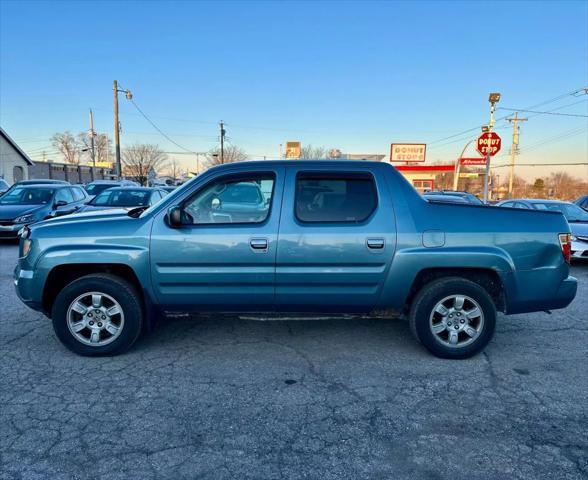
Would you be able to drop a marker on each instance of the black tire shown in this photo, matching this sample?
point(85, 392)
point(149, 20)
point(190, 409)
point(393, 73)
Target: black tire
point(122, 291)
point(426, 300)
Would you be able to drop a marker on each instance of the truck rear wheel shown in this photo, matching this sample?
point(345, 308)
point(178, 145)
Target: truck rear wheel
point(453, 317)
point(97, 315)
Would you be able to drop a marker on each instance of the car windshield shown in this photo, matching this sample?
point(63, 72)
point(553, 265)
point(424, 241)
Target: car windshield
point(3, 184)
point(96, 188)
point(122, 198)
point(572, 212)
point(27, 196)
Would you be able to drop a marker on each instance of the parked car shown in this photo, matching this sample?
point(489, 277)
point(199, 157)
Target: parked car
point(323, 237)
point(582, 202)
point(169, 188)
point(3, 186)
point(124, 197)
point(27, 204)
point(39, 181)
point(450, 194)
point(98, 186)
point(576, 217)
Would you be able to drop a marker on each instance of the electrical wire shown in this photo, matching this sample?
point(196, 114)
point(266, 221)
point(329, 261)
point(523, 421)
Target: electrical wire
point(543, 113)
point(559, 97)
point(159, 129)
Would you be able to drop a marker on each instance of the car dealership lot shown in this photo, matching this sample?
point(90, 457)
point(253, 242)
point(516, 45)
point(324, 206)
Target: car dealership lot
point(209, 397)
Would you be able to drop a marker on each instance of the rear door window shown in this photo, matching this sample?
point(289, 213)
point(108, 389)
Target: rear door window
point(335, 197)
point(78, 194)
point(65, 195)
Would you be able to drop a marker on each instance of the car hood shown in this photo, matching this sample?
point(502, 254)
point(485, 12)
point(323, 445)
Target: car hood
point(580, 229)
point(9, 212)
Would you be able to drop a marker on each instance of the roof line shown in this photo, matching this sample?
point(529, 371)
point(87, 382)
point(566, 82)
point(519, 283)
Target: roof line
point(16, 147)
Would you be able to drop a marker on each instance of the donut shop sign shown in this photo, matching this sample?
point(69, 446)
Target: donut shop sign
point(408, 152)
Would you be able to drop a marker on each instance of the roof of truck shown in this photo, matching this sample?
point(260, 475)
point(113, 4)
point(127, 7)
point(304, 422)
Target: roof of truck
point(272, 163)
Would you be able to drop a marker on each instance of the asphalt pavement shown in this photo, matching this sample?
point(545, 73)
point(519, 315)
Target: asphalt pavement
point(237, 397)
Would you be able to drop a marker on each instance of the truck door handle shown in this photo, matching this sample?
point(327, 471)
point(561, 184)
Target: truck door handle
point(258, 244)
point(375, 243)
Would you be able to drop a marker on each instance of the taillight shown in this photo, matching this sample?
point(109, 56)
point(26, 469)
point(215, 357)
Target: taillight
point(565, 240)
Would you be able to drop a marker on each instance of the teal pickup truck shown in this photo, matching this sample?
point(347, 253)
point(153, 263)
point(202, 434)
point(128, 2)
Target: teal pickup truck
point(295, 236)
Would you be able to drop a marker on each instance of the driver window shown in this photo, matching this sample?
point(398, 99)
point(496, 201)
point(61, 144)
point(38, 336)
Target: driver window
point(243, 200)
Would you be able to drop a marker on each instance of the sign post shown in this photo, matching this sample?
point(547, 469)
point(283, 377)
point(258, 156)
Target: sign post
point(488, 144)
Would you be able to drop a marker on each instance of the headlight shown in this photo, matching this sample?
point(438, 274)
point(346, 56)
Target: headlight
point(25, 219)
point(26, 246)
point(573, 238)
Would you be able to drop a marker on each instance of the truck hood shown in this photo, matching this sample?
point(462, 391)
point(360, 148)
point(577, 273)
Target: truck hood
point(9, 212)
point(86, 217)
point(100, 208)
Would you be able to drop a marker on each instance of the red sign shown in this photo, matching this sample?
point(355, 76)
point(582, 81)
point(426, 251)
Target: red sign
point(489, 144)
point(472, 161)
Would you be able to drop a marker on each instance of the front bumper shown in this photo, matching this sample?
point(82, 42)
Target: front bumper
point(10, 231)
point(27, 288)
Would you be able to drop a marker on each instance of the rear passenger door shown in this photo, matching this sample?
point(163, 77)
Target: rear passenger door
point(336, 240)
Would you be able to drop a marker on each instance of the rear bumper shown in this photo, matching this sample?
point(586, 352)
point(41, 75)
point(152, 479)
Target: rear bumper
point(544, 300)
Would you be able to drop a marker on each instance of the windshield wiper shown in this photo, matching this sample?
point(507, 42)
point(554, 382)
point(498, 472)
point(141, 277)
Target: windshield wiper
point(135, 212)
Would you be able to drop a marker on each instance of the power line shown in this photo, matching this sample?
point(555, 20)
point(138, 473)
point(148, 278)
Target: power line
point(559, 97)
point(159, 129)
point(543, 113)
point(541, 164)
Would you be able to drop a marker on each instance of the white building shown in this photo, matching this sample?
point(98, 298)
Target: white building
point(14, 163)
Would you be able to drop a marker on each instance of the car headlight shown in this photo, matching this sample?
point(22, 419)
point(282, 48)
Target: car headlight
point(25, 218)
point(26, 247)
point(573, 238)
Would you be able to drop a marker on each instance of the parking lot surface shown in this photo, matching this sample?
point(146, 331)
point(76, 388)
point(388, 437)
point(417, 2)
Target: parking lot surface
point(229, 397)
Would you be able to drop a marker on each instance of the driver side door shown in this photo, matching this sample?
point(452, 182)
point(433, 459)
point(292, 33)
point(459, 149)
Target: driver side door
point(223, 255)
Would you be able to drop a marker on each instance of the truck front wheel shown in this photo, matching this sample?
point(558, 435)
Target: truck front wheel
point(453, 317)
point(98, 314)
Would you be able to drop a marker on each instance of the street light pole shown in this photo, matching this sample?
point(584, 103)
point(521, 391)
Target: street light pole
point(92, 134)
point(494, 98)
point(116, 132)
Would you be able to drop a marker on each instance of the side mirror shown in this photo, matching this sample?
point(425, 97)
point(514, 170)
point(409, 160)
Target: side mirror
point(60, 203)
point(174, 217)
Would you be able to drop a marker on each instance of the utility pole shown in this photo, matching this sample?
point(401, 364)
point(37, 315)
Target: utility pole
point(222, 142)
point(117, 132)
point(92, 135)
point(129, 96)
point(514, 149)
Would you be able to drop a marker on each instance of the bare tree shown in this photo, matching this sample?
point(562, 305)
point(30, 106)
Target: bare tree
point(68, 146)
point(140, 158)
point(232, 153)
point(559, 183)
point(312, 153)
point(102, 146)
point(174, 170)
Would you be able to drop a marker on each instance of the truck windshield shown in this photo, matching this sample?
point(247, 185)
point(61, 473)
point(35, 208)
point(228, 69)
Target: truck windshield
point(27, 196)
